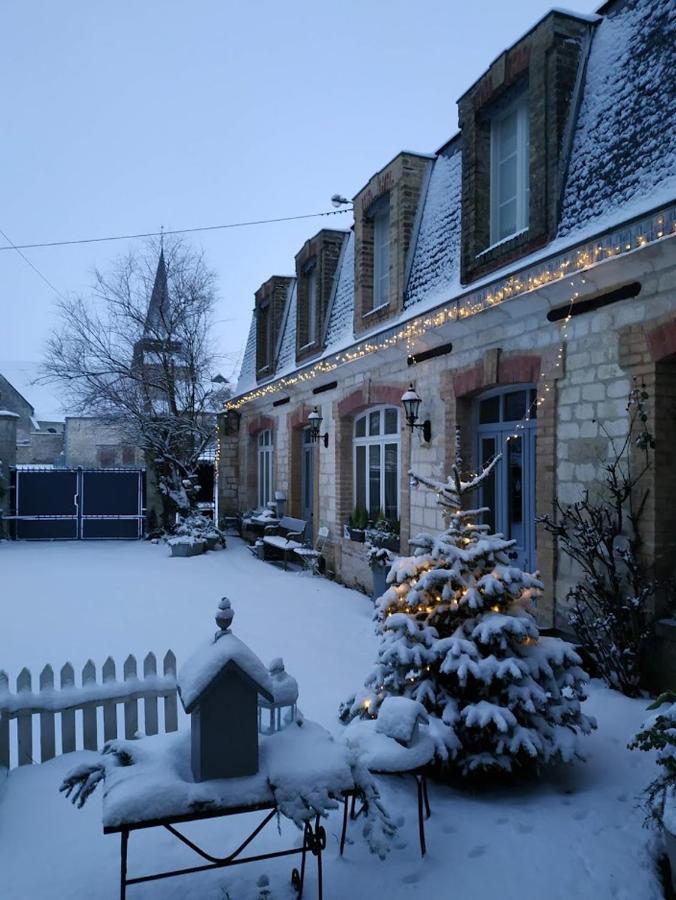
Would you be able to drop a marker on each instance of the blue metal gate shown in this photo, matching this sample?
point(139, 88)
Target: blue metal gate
point(77, 504)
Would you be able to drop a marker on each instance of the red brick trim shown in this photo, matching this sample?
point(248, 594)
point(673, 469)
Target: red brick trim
point(662, 341)
point(372, 395)
point(519, 369)
point(468, 380)
point(298, 418)
point(260, 423)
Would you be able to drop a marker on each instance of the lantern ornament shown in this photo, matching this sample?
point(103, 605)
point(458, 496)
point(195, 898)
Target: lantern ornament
point(276, 714)
point(411, 401)
point(315, 422)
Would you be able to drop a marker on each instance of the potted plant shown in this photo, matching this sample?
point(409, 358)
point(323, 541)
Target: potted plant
point(186, 545)
point(659, 733)
point(384, 533)
point(357, 524)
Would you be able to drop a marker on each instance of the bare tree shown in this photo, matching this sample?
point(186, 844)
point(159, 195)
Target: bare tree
point(137, 353)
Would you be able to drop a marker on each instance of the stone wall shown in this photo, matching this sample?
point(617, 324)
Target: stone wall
point(583, 375)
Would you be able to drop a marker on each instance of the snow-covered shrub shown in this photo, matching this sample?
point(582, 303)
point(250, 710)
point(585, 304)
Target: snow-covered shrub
point(199, 527)
point(612, 605)
point(458, 634)
point(659, 733)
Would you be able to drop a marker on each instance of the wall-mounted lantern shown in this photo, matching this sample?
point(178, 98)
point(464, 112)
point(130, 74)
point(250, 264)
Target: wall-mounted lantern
point(412, 402)
point(315, 422)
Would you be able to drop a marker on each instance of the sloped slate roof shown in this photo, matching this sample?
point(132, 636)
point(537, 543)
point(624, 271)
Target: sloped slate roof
point(287, 346)
point(247, 372)
point(623, 148)
point(340, 325)
point(622, 164)
point(436, 259)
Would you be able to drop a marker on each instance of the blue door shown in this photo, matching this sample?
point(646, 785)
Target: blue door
point(308, 480)
point(507, 426)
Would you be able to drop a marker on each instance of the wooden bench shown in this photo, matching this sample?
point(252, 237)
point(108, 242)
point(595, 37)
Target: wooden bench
point(284, 538)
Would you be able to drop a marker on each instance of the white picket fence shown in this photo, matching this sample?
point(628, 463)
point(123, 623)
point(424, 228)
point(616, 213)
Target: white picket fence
point(50, 713)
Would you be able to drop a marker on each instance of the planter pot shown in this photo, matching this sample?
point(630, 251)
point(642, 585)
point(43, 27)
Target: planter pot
point(188, 549)
point(379, 581)
point(358, 535)
point(214, 543)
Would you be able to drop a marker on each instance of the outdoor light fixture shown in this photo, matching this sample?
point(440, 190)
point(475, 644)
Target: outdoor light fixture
point(338, 200)
point(412, 402)
point(315, 423)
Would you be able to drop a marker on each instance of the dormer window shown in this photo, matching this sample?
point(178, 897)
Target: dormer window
point(271, 301)
point(316, 267)
point(381, 253)
point(509, 171)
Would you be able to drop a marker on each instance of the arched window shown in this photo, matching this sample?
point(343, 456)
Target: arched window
point(265, 453)
point(376, 462)
point(506, 424)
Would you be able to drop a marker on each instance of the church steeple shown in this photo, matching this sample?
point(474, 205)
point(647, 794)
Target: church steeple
point(158, 308)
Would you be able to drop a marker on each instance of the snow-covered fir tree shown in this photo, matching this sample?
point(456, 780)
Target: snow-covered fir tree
point(458, 633)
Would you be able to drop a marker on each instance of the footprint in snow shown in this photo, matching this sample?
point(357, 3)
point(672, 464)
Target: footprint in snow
point(523, 828)
point(448, 829)
point(622, 798)
point(401, 845)
point(478, 851)
point(413, 878)
point(581, 814)
point(503, 820)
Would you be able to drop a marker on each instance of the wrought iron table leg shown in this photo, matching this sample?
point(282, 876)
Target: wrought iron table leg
point(421, 818)
point(124, 841)
point(343, 833)
point(428, 811)
point(353, 806)
point(320, 839)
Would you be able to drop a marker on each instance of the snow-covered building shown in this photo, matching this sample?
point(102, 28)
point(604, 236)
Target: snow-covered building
point(521, 277)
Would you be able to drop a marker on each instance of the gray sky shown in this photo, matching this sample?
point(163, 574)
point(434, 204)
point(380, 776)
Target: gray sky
point(122, 116)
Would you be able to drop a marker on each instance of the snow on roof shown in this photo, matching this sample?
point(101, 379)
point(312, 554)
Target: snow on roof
point(44, 398)
point(210, 659)
point(340, 324)
point(287, 346)
point(8, 412)
point(436, 260)
point(247, 373)
point(622, 165)
point(623, 147)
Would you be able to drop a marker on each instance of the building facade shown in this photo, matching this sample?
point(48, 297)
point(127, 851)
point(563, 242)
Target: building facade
point(522, 278)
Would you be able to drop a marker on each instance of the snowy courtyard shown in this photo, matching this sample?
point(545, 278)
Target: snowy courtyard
point(575, 833)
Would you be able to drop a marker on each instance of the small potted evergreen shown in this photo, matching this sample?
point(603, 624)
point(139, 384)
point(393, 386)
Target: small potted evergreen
point(380, 560)
point(659, 733)
point(357, 524)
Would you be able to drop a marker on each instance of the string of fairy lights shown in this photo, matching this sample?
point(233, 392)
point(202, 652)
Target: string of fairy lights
point(572, 264)
point(567, 264)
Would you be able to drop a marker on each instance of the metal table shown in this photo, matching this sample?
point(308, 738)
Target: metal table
point(314, 842)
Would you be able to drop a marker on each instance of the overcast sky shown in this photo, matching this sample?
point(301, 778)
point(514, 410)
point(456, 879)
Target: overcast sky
point(122, 116)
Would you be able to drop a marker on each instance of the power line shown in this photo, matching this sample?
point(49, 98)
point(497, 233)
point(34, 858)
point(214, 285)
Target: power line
point(28, 262)
point(147, 234)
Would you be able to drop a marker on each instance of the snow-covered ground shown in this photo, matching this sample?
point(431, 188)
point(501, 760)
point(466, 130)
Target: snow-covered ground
point(577, 833)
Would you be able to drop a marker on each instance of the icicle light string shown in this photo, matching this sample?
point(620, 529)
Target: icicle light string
point(581, 260)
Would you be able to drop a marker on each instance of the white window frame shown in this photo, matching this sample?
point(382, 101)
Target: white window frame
point(265, 469)
point(381, 255)
point(520, 107)
point(369, 441)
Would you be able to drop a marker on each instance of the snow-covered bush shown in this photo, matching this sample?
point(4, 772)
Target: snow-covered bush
point(659, 733)
point(199, 527)
point(458, 634)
